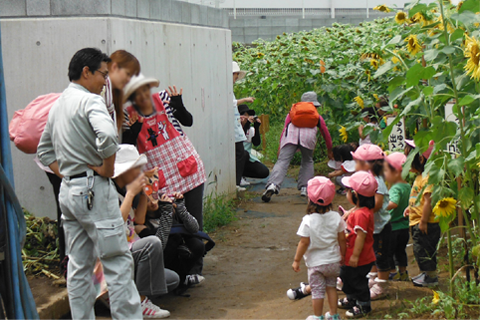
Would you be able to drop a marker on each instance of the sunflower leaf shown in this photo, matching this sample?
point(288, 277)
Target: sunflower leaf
point(384, 69)
point(470, 5)
point(457, 34)
point(414, 74)
point(395, 40)
point(456, 166)
point(431, 54)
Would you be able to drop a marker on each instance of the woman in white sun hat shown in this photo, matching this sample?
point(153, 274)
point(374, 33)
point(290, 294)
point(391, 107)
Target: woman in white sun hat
point(241, 156)
point(158, 135)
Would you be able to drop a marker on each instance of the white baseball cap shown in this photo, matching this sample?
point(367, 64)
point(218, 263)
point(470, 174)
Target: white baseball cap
point(236, 68)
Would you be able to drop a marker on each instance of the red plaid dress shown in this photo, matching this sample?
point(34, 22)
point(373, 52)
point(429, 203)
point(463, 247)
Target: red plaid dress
point(180, 168)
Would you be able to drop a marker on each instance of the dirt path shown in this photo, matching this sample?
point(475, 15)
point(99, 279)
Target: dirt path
point(249, 270)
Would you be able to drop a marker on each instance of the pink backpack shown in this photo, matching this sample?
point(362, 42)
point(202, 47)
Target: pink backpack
point(27, 125)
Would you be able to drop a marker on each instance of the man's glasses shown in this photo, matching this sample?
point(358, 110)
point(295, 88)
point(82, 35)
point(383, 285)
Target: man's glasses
point(105, 74)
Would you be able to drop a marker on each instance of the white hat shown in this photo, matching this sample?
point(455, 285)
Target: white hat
point(236, 68)
point(127, 158)
point(137, 82)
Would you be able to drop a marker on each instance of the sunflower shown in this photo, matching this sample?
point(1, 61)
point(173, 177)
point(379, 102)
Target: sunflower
point(374, 63)
point(376, 96)
point(436, 297)
point(343, 133)
point(359, 101)
point(472, 51)
point(382, 8)
point(413, 45)
point(401, 17)
point(445, 207)
point(260, 55)
point(450, 28)
point(419, 18)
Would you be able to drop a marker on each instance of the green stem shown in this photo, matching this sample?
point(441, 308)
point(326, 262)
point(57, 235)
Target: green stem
point(461, 117)
point(450, 261)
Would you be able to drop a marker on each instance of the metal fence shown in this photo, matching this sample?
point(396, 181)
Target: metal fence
point(304, 12)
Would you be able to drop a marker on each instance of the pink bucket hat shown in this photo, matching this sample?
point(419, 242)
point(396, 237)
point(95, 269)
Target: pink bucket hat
point(364, 183)
point(321, 191)
point(396, 160)
point(429, 150)
point(368, 152)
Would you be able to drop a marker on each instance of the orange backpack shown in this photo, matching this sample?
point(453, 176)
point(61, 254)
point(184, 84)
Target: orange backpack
point(304, 115)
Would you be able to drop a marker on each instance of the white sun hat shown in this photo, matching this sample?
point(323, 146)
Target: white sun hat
point(236, 68)
point(127, 158)
point(137, 82)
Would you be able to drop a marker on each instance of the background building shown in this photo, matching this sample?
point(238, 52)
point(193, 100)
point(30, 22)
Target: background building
point(253, 19)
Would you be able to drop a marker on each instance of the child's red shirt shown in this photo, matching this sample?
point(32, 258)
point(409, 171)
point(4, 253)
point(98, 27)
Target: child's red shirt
point(361, 220)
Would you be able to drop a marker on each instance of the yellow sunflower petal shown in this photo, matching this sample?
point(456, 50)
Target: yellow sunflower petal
point(401, 17)
point(445, 207)
point(472, 52)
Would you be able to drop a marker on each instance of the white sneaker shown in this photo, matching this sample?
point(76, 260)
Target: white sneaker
point(271, 190)
point(339, 284)
point(244, 183)
point(241, 189)
point(194, 280)
point(151, 311)
point(303, 191)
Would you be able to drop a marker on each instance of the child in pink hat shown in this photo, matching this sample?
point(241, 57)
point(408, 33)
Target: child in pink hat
point(399, 194)
point(323, 246)
point(370, 157)
point(425, 229)
point(359, 257)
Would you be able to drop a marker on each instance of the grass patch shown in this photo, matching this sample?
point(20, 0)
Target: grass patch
point(218, 211)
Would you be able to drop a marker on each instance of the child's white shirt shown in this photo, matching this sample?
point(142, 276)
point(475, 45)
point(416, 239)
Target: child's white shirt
point(322, 229)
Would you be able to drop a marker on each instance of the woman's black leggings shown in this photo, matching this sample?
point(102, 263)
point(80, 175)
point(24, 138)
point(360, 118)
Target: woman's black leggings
point(255, 170)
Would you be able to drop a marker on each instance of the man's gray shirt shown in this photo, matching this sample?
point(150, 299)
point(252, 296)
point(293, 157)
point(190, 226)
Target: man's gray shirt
point(79, 132)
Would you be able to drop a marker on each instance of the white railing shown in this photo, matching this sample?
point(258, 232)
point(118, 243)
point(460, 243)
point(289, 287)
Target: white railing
point(324, 12)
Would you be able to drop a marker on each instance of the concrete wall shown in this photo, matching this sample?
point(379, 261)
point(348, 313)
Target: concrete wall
point(248, 29)
point(36, 54)
point(160, 10)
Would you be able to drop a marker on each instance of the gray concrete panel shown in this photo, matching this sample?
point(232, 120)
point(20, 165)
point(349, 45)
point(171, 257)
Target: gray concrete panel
point(131, 8)
point(203, 15)
point(263, 31)
point(186, 12)
point(38, 7)
point(162, 9)
point(77, 8)
point(118, 7)
point(175, 11)
point(305, 23)
point(11, 8)
point(237, 22)
point(278, 21)
point(251, 31)
point(250, 39)
point(291, 22)
point(251, 22)
point(264, 23)
point(238, 31)
point(143, 9)
point(194, 17)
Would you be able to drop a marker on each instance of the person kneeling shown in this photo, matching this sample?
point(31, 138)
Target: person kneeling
point(147, 252)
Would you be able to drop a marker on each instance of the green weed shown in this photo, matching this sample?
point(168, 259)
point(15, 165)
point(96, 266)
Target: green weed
point(218, 210)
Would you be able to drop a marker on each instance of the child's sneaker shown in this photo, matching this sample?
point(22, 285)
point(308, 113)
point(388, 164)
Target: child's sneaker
point(425, 281)
point(151, 311)
point(378, 291)
point(244, 183)
point(345, 303)
point(339, 284)
point(328, 316)
point(298, 293)
point(316, 318)
point(418, 276)
point(393, 275)
point(371, 282)
point(358, 312)
point(194, 280)
point(271, 190)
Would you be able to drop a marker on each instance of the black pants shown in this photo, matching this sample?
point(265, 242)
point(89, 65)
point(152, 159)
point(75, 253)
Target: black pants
point(177, 263)
point(255, 169)
point(381, 246)
point(241, 158)
point(56, 182)
point(425, 246)
point(355, 283)
point(194, 205)
point(397, 256)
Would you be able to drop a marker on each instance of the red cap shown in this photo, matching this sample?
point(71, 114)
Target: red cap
point(368, 152)
point(364, 183)
point(321, 191)
point(396, 160)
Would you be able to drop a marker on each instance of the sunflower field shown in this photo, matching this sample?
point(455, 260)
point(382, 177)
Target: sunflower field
point(422, 59)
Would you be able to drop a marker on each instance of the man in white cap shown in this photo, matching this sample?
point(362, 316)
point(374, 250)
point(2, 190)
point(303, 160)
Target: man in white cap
point(241, 156)
point(79, 144)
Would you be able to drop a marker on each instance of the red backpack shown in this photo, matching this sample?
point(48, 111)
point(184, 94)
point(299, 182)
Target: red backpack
point(304, 115)
point(27, 125)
